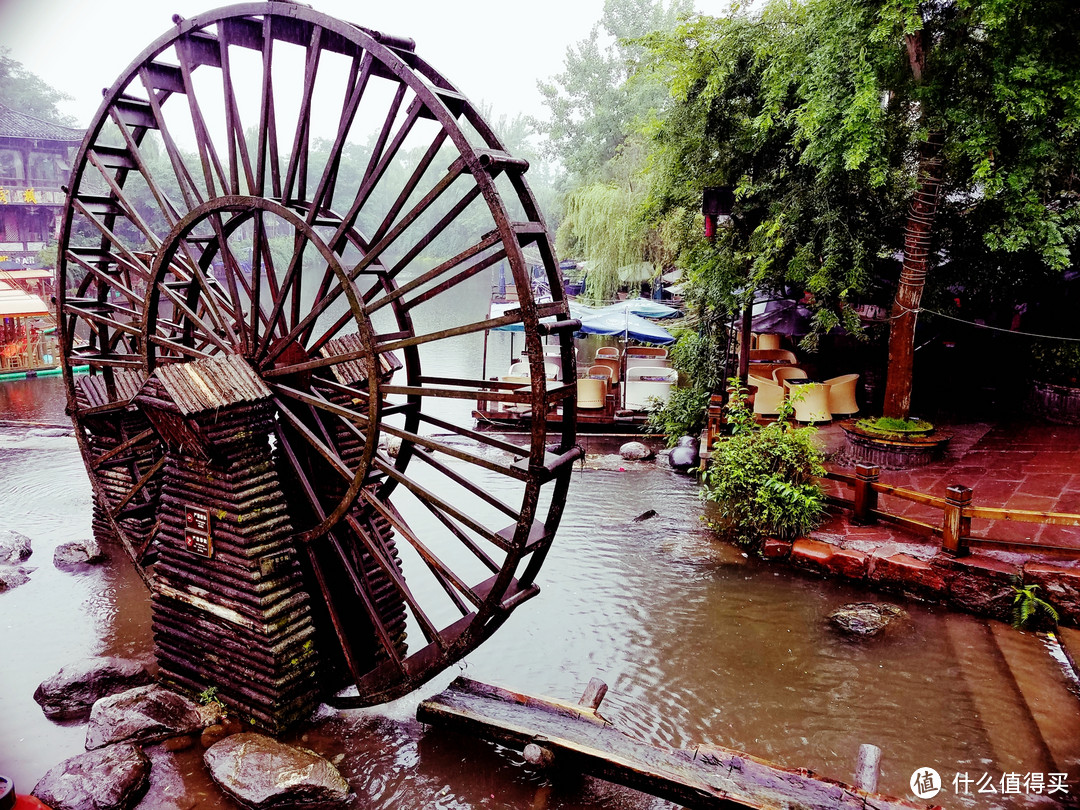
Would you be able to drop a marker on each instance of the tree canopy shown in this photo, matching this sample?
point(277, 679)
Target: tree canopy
point(26, 92)
point(859, 135)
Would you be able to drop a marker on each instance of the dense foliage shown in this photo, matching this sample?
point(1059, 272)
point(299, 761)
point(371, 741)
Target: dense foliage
point(27, 92)
point(827, 116)
point(762, 477)
point(682, 415)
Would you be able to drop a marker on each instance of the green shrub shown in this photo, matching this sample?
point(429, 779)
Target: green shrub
point(889, 428)
point(1057, 362)
point(762, 478)
point(682, 415)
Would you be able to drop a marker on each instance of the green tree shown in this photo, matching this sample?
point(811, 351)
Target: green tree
point(591, 105)
point(854, 131)
point(26, 92)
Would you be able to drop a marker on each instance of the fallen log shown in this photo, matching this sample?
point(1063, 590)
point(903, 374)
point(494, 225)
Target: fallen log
point(576, 736)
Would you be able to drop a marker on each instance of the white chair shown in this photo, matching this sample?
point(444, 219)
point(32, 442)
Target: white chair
point(603, 369)
point(842, 395)
point(646, 383)
point(513, 407)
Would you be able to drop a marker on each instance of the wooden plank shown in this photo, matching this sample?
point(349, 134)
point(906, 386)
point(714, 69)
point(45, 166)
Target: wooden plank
point(705, 777)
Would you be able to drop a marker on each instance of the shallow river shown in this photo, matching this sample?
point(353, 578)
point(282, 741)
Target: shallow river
point(697, 643)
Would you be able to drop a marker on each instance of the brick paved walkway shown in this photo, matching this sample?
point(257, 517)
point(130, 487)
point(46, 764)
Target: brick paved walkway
point(1014, 465)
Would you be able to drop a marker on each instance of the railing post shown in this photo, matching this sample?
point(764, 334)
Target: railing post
point(956, 526)
point(865, 496)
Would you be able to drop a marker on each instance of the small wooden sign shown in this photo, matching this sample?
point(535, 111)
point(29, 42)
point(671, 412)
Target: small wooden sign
point(197, 532)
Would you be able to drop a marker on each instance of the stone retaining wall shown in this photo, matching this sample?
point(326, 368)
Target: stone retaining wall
point(974, 584)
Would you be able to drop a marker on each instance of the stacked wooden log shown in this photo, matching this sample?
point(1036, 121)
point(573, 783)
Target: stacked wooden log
point(116, 422)
point(233, 612)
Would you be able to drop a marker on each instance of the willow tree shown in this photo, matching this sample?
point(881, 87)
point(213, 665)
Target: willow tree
point(856, 131)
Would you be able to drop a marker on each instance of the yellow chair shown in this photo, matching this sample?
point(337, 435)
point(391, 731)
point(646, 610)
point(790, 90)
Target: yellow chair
point(608, 351)
point(783, 373)
point(768, 397)
point(841, 392)
point(612, 363)
point(591, 393)
point(603, 369)
point(768, 341)
point(811, 401)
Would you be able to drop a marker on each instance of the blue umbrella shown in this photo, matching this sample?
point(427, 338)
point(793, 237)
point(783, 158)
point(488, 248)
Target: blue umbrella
point(615, 320)
point(644, 307)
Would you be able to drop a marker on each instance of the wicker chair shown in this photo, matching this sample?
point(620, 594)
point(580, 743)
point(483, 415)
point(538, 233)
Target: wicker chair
point(767, 341)
point(841, 391)
point(591, 393)
point(811, 401)
point(783, 373)
point(768, 397)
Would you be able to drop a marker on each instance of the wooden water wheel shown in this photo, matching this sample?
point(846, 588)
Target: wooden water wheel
point(271, 185)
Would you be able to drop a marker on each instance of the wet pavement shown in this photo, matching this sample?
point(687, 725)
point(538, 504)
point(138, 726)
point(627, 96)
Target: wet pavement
point(1015, 465)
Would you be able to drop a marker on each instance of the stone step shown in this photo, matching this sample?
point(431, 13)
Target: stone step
point(1046, 691)
point(1010, 729)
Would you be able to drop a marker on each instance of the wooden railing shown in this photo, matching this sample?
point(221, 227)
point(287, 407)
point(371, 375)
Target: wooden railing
point(957, 513)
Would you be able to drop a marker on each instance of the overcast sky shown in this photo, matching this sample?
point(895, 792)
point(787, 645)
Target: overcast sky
point(493, 50)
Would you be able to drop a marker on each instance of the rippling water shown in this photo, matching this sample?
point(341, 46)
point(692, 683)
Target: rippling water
point(697, 643)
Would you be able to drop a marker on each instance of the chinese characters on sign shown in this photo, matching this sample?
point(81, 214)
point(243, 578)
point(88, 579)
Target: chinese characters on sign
point(1016, 783)
point(197, 532)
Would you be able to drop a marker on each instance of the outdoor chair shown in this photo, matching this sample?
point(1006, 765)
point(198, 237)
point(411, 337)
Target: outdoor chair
point(811, 401)
point(612, 363)
point(646, 383)
point(591, 393)
point(603, 369)
point(608, 351)
point(768, 396)
point(783, 373)
point(767, 341)
point(841, 391)
point(773, 356)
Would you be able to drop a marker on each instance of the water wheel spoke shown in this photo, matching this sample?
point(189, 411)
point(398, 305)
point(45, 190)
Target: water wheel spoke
point(451, 584)
point(188, 188)
point(132, 261)
point(298, 156)
point(192, 319)
point(448, 508)
point(138, 487)
point(208, 156)
point(238, 157)
point(348, 414)
point(327, 453)
point(373, 304)
point(118, 198)
point(409, 186)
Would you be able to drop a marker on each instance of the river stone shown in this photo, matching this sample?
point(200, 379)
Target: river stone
point(71, 692)
point(685, 455)
point(14, 547)
point(260, 772)
point(113, 778)
point(865, 618)
point(12, 578)
point(635, 451)
point(77, 553)
point(143, 714)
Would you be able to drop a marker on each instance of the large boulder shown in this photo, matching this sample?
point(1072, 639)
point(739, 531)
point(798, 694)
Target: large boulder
point(865, 618)
point(684, 455)
point(113, 778)
point(635, 451)
point(74, 555)
point(260, 772)
point(14, 547)
point(143, 714)
point(71, 692)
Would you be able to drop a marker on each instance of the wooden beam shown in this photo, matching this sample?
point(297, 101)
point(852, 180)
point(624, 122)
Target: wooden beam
point(576, 736)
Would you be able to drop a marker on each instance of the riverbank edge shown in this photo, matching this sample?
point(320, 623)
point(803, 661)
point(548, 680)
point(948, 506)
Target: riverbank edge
point(976, 584)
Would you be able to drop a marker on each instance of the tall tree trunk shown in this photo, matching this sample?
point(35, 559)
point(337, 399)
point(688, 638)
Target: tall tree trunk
point(917, 235)
point(905, 308)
